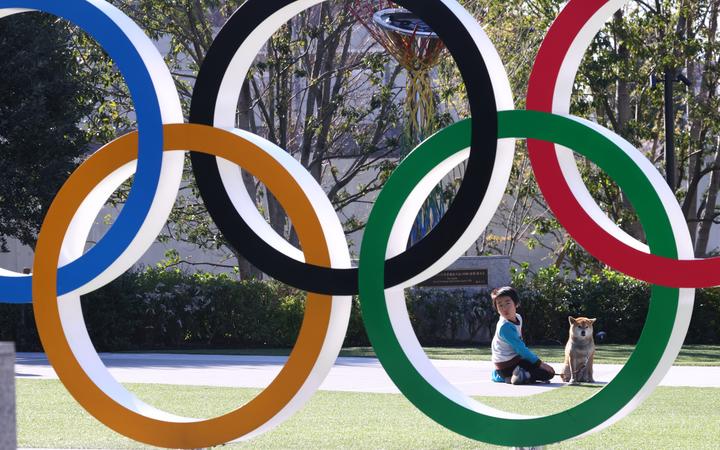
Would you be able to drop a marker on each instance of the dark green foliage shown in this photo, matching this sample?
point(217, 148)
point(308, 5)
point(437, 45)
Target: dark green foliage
point(356, 335)
point(156, 309)
point(18, 324)
point(168, 309)
point(42, 102)
point(160, 309)
point(618, 302)
point(450, 316)
point(705, 324)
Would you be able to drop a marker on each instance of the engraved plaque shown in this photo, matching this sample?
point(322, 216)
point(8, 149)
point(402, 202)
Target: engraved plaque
point(458, 277)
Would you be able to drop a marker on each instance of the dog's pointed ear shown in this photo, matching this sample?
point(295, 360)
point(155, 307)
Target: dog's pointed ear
point(571, 320)
point(593, 320)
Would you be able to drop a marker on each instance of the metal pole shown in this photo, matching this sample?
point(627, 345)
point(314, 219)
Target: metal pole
point(669, 129)
point(8, 437)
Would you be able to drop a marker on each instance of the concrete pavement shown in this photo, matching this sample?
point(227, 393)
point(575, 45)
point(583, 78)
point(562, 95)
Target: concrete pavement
point(348, 374)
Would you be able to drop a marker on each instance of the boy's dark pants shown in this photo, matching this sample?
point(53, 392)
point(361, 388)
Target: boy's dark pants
point(537, 373)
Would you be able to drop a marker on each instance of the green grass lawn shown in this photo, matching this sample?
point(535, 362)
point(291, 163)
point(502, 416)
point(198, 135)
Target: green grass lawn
point(672, 418)
point(691, 355)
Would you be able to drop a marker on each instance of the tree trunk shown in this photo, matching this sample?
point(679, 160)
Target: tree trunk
point(624, 115)
point(277, 216)
point(709, 213)
point(246, 270)
point(695, 161)
point(707, 89)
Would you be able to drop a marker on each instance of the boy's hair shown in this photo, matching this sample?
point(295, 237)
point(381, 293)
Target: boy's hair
point(505, 291)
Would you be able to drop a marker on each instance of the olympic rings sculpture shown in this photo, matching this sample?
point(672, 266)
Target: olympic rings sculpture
point(155, 154)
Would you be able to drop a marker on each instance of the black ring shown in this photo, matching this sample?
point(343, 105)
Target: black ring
point(416, 258)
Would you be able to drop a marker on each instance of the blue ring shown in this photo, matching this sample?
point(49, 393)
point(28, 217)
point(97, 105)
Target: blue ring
point(17, 289)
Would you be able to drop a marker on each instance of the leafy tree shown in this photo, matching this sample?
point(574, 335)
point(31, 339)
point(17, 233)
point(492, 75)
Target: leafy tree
point(312, 91)
point(516, 29)
point(644, 40)
point(43, 100)
point(660, 40)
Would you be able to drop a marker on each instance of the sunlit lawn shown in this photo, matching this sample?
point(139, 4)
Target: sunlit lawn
point(671, 418)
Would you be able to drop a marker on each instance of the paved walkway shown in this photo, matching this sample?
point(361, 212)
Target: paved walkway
point(348, 374)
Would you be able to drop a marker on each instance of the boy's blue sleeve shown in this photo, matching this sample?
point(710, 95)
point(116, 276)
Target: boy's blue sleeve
point(509, 334)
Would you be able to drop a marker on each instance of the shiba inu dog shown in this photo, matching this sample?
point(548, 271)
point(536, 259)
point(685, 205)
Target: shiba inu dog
point(579, 351)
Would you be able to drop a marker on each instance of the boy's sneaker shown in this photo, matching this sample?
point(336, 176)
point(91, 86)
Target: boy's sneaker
point(520, 376)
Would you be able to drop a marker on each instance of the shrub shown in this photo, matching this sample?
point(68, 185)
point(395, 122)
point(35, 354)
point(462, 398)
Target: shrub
point(356, 335)
point(449, 316)
point(159, 309)
point(705, 323)
point(18, 324)
point(620, 304)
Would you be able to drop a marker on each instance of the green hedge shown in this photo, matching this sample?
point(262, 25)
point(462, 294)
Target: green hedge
point(618, 302)
point(450, 316)
point(159, 309)
point(155, 309)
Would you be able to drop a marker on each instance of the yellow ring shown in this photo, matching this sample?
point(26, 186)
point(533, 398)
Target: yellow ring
point(200, 433)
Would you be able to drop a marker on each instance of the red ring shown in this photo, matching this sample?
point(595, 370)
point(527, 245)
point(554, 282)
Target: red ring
point(554, 187)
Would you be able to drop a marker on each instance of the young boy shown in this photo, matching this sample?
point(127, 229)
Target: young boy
point(514, 362)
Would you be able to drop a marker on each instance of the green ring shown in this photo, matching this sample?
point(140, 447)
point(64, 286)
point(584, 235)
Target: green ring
point(656, 332)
